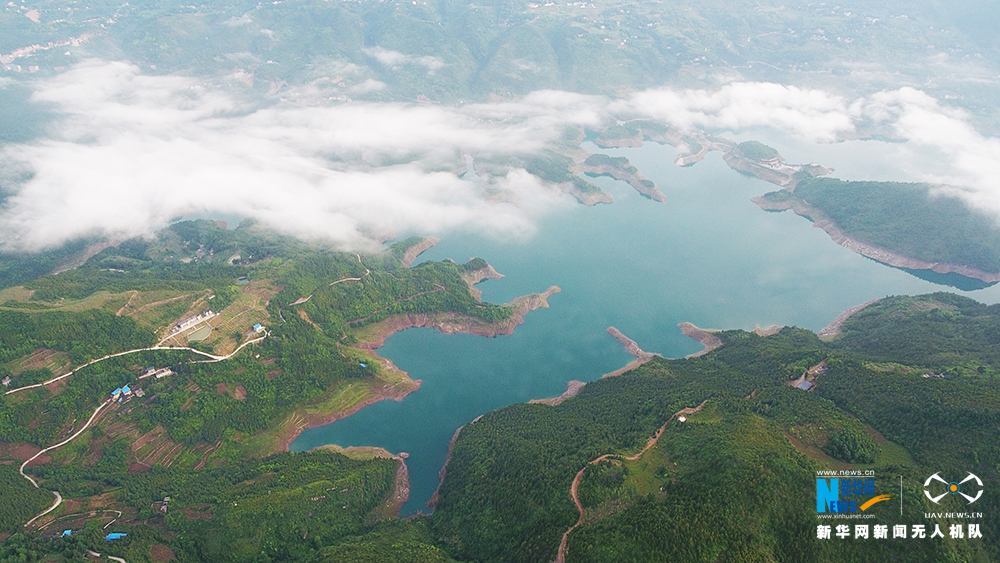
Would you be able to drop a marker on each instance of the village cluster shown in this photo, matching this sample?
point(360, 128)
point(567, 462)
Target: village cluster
point(128, 392)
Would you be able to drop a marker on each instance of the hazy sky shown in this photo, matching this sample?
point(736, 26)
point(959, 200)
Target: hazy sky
point(129, 152)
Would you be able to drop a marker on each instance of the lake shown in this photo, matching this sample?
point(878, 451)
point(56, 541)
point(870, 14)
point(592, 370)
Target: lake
point(708, 256)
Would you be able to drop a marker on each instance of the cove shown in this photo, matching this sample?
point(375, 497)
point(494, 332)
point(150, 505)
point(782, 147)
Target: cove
point(708, 256)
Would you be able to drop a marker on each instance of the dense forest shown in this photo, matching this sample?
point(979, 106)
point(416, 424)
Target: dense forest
point(734, 482)
point(197, 435)
point(915, 220)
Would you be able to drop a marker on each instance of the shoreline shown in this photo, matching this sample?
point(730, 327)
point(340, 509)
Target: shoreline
point(820, 221)
point(573, 387)
point(307, 421)
point(705, 336)
point(832, 330)
point(400, 492)
point(373, 337)
point(487, 272)
point(634, 179)
point(416, 250)
point(432, 503)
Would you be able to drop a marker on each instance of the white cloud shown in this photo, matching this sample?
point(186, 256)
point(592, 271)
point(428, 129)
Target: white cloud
point(369, 85)
point(128, 152)
point(812, 114)
point(945, 147)
point(133, 151)
point(395, 59)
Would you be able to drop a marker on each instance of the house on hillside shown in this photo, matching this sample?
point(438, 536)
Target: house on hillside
point(806, 385)
point(6, 382)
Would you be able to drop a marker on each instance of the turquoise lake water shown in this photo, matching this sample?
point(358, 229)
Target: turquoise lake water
point(708, 255)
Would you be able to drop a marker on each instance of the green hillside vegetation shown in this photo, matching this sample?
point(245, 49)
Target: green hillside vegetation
point(20, 501)
point(388, 542)
point(692, 498)
point(754, 150)
point(282, 508)
point(942, 332)
point(459, 51)
point(908, 219)
point(196, 434)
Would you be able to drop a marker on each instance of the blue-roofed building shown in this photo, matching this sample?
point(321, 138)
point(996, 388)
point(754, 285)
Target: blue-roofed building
point(362, 365)
point(67, 533)
point(258, 327)
point(116, 392)
point(127, 390)
point(115, 536)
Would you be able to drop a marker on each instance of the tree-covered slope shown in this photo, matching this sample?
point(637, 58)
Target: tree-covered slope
point(736, 481)
point(909, 219)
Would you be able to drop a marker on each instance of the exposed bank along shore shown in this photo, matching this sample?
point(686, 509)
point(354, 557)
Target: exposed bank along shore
point(802, 208)
point(786, 176)
point(574, 387)
point(373, 336)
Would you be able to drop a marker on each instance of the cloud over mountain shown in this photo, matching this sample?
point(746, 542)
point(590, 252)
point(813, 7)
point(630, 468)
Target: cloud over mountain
point(128, 152)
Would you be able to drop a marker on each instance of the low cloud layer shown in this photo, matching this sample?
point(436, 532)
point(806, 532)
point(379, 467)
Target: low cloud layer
point(811, 114)
point(395, 59)
point(130, 152)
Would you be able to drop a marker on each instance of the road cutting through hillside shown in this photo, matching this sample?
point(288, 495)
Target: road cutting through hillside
point(100, 407)
point(561, 556)
point(55, 505)
point(212, 358)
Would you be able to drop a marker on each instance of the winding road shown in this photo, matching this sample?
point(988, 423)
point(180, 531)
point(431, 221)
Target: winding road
point(561, 555)
point(55, 505)
point(100, 407)
point(212, 358)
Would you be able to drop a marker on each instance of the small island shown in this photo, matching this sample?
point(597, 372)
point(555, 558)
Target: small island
point(619, 168)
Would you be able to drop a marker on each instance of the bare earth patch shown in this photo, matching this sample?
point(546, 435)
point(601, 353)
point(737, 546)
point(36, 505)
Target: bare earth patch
point(161, 553)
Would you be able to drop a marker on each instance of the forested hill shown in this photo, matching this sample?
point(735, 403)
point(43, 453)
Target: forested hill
point(181, 367)
point(914, 220)
point(910, 389)
point(736, 481)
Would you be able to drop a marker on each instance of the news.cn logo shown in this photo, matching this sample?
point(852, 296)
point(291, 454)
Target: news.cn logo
point(951, 488)
point(844, 495)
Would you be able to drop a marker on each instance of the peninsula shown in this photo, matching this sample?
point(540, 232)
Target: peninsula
point(897, 224)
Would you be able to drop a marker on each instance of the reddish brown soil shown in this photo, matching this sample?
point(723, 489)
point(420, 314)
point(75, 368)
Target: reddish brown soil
point(40, 460)
point(161, 553)
point(191, 514)
point(22, 452)
point(290, 433)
